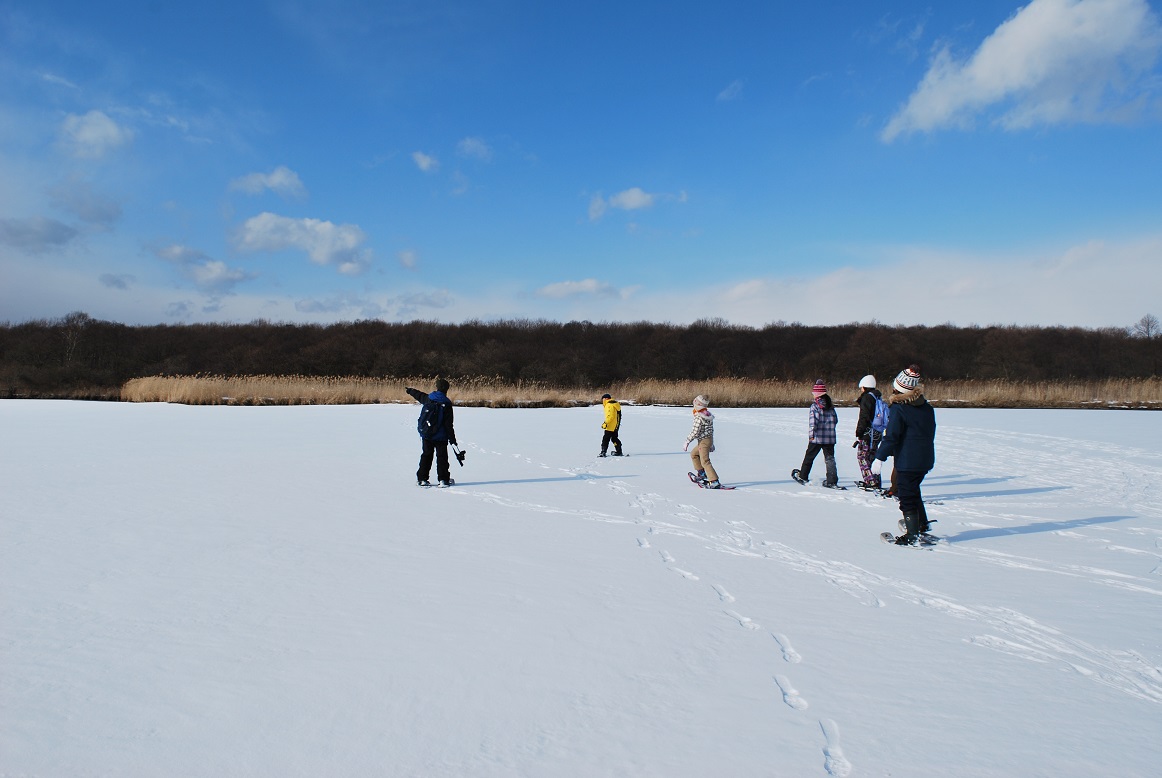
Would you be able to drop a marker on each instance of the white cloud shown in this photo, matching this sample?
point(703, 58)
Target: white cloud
point(474, 148)
point(732, 92)
point(117, 281)
point(52, 78)
point(408, 259)
point(1054, 61)
point(208, 275)
point(93, 135)
point(324, 242)
point(590, 286)
point(282, 181)
point(632, 199)
point(425, 162)
point(35, 235)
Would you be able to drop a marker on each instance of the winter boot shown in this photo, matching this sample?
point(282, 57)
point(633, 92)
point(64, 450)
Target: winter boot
point(713, 485)
point(798, 476)
point(912, 526)
point(701, 476)
point(447, 482)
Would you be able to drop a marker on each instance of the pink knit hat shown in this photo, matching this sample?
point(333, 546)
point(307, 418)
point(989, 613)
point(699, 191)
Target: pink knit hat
point(820, 388)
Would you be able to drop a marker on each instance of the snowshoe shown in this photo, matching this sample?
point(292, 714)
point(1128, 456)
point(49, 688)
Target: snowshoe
point(447, 483)
point(797, 477)
point(425, 482)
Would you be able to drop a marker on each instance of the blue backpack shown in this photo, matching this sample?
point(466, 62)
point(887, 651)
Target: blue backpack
point(880, 419)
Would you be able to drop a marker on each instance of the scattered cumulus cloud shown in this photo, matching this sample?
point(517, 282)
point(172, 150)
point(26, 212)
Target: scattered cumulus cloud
point(425, 162)
point(1052, 62)
point(93, 135)
point(209, 275)
point(732, 92)
point(282, 181)
point(632, 199)
point(326, 243)
point(35, 235)
point(474, 148)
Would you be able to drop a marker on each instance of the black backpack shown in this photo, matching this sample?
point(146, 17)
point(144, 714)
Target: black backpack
point(431, 420)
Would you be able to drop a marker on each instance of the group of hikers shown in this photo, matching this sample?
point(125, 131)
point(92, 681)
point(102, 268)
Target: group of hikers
point(901, 425)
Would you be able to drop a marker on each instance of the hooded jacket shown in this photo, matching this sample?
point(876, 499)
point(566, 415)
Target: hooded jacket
point(612, 415)
point(911, 433)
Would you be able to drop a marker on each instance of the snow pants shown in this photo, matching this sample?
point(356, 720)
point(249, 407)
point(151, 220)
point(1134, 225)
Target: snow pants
point(813, 450)
point(908, 492)
point(610, 436)
point(439, 449)
point(700, 458)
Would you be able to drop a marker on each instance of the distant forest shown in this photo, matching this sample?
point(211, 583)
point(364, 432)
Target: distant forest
point(79, 356)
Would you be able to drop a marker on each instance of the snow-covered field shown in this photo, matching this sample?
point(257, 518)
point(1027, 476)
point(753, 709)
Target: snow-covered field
point(211, 591)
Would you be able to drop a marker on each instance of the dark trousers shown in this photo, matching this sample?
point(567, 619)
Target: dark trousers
point(908, 491)
point(610, 435)
point(439, 448)
point(813, 450)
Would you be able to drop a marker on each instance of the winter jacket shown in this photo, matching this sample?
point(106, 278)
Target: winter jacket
point(823, 421)
point(911, 433)
point(867, 411)
point(612, 415)
point(446, 431)
point(703, 426)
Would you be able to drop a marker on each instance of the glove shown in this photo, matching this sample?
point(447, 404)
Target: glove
point(877, 465)
point(687, 446)
point(855, 444)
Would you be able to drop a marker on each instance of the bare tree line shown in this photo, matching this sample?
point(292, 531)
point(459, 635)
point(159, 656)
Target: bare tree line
point(79, 356)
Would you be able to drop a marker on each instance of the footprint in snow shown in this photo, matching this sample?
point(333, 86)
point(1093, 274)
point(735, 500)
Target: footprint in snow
point(744, 621)
point(789, 653)
point(834, 762)
point(790, 695)
point(723, 595)
point(643, 543)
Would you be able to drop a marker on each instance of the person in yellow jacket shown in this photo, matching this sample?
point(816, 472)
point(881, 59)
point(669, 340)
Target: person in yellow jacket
point(611, 425)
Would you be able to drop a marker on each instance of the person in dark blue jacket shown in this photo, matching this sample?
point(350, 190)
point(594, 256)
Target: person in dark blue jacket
point(911, 439)
point(436, 432)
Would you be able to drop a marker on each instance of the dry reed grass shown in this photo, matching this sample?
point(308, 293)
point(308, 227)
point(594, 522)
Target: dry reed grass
point(723, 392)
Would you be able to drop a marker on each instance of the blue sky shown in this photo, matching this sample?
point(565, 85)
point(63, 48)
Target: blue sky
point(967, 162)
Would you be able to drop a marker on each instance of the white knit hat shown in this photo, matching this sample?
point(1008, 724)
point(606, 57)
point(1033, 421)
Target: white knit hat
point(908, 379)
point(867, 382)
point(701, 402)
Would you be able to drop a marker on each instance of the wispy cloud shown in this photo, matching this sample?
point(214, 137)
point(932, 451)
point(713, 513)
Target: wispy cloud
point(408, 259)
point(56, 80)
point(326, 243)
point(282, 181)
point(35, 235)
point(117, 281)
point(425, 162)
point(76, 196)
point(474, 148)
point(588, 287)
point(208, 275)
point(93, 135)
point(632, 199)
point(731, 92)
point(1054, 61)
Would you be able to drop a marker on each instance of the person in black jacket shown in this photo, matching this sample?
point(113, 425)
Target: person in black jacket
point(911, 439)
point(436, 432)
point(867, 439)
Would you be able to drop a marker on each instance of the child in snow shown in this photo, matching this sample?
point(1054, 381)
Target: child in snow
point(436, 432)
point(611, 425)
point(821, 437)
point(703, 433)
point(866, 437)
point(911, 439)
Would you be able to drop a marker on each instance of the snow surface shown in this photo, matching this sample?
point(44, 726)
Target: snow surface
point(208, 591)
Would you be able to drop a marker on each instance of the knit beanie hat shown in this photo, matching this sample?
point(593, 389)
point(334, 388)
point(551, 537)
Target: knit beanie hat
point(701, 402)
point(908, 379)
point(819, 389)
point(606, 397)
point(867, 382)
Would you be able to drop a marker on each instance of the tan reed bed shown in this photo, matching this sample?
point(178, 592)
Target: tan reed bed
point(723, 392)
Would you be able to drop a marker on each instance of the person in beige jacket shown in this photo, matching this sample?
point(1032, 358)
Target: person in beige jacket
point(702, 435)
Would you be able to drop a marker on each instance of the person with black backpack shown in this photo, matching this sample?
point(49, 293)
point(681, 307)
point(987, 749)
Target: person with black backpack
point(869, 430)
point(436, 432)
